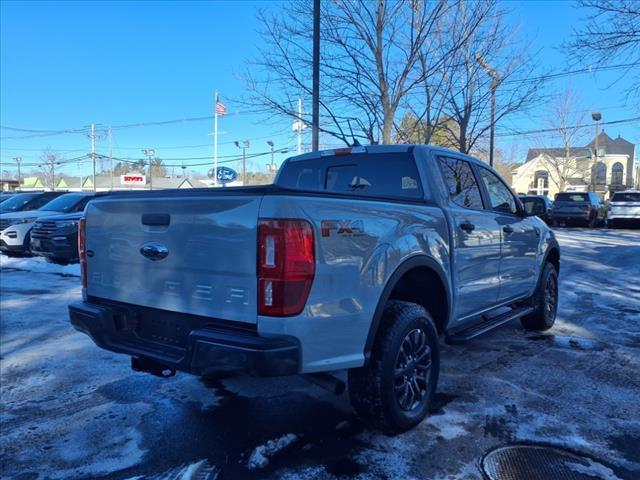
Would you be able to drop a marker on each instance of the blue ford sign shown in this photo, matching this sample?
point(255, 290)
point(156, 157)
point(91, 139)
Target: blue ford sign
point(225, 175)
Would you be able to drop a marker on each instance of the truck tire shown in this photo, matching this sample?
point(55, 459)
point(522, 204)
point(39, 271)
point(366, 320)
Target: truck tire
point(545, 300)
point(394, 390)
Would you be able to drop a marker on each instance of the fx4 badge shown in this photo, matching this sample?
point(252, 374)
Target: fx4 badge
point(342, 227)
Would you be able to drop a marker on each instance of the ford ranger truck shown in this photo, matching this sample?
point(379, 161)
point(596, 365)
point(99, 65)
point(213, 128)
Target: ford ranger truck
point(358, 259)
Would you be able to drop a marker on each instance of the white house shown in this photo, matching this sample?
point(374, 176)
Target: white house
point(548, 171)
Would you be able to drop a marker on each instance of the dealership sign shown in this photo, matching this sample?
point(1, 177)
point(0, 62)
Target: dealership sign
point(225, 175)
point(133, 179)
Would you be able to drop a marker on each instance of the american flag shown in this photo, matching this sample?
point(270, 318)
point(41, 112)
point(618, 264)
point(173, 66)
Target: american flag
point(220, 108)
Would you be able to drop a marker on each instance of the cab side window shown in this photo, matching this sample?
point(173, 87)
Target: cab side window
point(502, 200)
point(461, 184)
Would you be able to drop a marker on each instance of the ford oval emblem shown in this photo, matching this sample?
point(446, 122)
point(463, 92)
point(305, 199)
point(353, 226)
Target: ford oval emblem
point(154, 251)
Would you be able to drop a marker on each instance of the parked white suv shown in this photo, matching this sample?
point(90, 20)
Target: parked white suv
point(624, 207)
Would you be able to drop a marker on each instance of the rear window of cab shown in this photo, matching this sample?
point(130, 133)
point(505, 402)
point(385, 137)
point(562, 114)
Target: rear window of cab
point(572, 197)
point(626, 197)
point(386, 175)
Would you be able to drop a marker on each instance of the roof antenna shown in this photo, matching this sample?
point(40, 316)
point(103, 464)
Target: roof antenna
point(355, 143)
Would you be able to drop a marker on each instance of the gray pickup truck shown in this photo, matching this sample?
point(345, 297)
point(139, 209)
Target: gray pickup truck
point(356, 259)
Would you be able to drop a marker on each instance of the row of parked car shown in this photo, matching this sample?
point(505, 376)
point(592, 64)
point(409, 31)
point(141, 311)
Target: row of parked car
point(42, 223)
point(585, 209)
point(46, 223)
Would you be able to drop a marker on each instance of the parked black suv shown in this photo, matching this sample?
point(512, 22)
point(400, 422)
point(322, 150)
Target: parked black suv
point(56, 238)
point(539, 205)
point(585, 208)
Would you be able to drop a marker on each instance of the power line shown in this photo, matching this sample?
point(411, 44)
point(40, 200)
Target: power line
point(230, 158)
point(566, 73)
point(548, 130)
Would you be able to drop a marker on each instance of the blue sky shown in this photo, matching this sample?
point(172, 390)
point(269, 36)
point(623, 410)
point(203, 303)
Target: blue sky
point(68, 64)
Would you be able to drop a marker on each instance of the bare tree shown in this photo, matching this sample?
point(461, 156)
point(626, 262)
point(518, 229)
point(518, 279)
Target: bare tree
point(369, 51)
point(611, 33)
point(564, 118)
point(157, 168)
point(570, 160)
point(49, 160)
point(469, 85)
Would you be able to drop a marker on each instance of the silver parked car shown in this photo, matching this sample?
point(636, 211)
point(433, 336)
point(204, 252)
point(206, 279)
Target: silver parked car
point(357, 258)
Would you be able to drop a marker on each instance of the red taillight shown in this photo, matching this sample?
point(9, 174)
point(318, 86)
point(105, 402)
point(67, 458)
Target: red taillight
point(82, 251)
point(286, 266)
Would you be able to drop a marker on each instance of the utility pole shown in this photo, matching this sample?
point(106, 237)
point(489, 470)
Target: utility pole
point(52, 159)
point(149, 152)
point(596, 116)
point(244, 144)
point(80, 170)
point(315, 101)
point(18, 161)
point(111, 156)
point(495, 79)
point(93, 153)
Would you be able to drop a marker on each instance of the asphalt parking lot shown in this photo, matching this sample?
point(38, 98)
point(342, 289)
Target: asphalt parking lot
point(71, 410)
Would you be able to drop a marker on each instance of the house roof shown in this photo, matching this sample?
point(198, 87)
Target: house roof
point(168, 182)
point(69, 182)
point(32, 182)
point(618, 146)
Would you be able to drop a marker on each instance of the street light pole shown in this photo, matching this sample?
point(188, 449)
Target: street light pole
point(495, 78)
point(244, 144)
point(596, 117)
point(149, 152)
point(18, 161)
point(272, 166)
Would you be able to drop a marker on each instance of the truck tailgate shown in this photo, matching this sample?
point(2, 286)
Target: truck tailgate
point(210, 269)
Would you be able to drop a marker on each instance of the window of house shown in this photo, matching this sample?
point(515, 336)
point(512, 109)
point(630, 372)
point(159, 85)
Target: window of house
point(617, 172)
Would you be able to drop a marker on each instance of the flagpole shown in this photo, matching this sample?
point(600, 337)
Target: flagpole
point(215, 140)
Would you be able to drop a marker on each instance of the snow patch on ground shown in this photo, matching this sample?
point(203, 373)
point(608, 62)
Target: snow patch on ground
point(200, 470)
point(450, 425)
point(38, 265)
point(260, 456)
point(594, 469)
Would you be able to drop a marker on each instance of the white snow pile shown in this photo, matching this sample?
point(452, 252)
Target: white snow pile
point(260, 456)
point(38, 265)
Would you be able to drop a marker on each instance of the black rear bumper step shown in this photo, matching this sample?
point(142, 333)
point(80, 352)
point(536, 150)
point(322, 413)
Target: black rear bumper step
point(198, 348)
point(486, 325)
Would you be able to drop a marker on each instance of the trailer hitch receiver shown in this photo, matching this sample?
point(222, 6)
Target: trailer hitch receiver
point(147, 365)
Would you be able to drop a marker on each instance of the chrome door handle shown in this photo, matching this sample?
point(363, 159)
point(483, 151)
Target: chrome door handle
point(507, 229)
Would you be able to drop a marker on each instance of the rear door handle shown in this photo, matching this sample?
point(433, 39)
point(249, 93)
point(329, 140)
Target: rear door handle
point(467, 227)
point(156, 219)
point(507, 229)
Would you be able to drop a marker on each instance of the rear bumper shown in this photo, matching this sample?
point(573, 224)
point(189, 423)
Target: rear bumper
point(57, 246)
point(623, 216)
point(568, 217)
point(208, 349)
